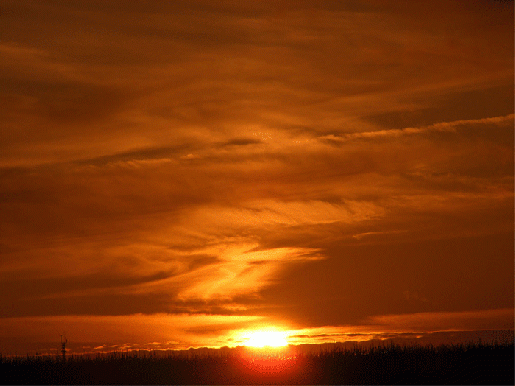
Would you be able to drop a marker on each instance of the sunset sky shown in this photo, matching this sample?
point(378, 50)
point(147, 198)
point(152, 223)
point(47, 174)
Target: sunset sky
point(173, 174)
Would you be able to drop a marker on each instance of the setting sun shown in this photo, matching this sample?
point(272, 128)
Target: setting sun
point(266, 339)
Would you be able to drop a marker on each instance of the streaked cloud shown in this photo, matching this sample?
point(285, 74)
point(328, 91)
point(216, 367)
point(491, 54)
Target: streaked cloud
point(256, 160)
point(443, 126)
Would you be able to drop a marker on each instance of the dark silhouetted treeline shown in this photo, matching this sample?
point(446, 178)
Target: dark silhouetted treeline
point(456, 364)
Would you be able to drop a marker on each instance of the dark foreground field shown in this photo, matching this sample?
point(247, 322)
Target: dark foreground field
point(462, 364)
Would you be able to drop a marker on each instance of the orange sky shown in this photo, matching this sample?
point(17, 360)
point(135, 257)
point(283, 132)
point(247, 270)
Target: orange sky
point(174, 173)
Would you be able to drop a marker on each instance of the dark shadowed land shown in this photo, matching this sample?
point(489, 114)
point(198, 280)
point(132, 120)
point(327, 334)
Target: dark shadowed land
point(473, 363)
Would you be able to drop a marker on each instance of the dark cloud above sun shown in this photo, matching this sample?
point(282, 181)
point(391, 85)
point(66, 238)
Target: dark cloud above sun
point(303, 165)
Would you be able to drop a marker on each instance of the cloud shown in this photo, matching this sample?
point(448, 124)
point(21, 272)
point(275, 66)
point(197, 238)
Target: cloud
point(265, 213)
point(255, 160)
point(437, 321)
point(184, 331)
point(179, 330)
point(442, 126)
point(241, 142)
point(243, 270)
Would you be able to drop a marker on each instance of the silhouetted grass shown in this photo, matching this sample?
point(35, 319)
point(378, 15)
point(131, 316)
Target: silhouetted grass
point(457, 364)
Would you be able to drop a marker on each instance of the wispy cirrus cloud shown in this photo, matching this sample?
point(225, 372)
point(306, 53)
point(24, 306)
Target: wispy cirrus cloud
point(255, 159)
point(442, 126)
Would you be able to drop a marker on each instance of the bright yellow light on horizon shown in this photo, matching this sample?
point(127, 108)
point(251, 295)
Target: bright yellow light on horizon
point(266, 338)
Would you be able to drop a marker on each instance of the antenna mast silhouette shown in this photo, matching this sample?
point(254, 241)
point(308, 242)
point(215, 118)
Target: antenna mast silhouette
point(63, 347)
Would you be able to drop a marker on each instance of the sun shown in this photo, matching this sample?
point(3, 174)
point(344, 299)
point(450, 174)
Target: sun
point(266, 338)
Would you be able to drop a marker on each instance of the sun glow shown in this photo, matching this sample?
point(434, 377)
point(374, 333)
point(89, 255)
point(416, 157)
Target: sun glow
point(266, 338)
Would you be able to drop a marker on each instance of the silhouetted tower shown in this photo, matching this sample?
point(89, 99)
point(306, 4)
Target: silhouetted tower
point(63, 347)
